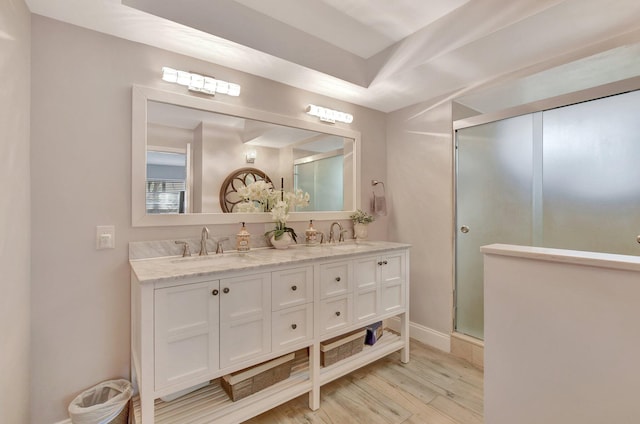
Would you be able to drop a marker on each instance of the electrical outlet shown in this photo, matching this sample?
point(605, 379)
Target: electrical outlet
point(105, 237)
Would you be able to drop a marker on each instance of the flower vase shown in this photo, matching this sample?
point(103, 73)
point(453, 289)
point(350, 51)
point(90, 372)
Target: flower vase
point(360, 231)
point(281, 243)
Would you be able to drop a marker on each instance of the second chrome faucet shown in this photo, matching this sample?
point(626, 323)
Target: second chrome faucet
point(204, 236)
point(332, 237)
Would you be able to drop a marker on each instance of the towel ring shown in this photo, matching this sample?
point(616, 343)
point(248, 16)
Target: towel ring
point(374, 183)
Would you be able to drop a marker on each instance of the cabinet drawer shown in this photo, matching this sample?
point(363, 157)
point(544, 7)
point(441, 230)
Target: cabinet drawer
point(291, 287)
point(292, 326)
point(335, 279)
point(335, 313)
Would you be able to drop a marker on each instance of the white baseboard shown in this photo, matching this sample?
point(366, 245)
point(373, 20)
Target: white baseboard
point(424, 334)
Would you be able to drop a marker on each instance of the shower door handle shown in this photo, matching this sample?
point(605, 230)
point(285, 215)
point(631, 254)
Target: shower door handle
point(464, 229)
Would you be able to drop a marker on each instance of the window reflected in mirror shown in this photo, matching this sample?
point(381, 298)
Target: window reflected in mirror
point(166, 181)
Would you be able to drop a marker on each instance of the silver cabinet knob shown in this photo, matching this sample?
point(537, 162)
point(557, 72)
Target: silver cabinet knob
point(338, 313)
point(294, 326)
point(225, 290)
point(464, 229)
point(214, 292)
point(638, 238)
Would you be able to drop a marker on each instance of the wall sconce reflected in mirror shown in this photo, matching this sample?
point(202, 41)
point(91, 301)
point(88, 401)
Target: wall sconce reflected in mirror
point(251, 155)
point(329, 115)
point(200, 83)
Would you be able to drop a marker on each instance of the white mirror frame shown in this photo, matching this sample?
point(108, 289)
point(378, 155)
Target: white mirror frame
point(139, 218)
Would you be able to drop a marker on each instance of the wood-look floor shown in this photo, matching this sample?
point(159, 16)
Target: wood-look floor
point(433, 388)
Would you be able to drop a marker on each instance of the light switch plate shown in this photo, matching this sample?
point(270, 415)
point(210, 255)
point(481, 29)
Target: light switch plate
point(105, 237)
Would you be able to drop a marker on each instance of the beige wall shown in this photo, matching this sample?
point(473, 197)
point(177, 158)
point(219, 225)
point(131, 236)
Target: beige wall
point(419, 170)
point(15, 40)
point(81, 161)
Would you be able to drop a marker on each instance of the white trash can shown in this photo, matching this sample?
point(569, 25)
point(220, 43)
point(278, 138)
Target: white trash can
point(105, 403)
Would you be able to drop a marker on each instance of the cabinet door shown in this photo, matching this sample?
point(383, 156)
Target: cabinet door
point(335, 313)
point(393, 277)
point(334, 279)
point(292, 326)
point(366, 273)
point(245, 317)
point(291, 287)
point(186, 332)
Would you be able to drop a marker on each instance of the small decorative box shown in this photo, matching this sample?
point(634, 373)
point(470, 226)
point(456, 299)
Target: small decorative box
point(374, 332)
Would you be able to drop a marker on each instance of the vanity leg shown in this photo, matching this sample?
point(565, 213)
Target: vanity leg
point(404, 329)
point(147, 411)
point(314, 373)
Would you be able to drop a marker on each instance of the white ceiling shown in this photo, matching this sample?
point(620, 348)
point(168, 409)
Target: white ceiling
point(388, 54)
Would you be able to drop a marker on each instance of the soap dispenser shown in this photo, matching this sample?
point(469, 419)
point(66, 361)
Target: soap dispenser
point(311, 235)
point(242, 240)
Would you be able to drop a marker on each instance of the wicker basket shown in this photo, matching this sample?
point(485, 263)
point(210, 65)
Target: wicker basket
point(246, 382)
point(341, 347)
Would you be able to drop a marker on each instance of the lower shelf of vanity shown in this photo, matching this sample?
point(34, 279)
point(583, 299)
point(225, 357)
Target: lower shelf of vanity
point(212, 403)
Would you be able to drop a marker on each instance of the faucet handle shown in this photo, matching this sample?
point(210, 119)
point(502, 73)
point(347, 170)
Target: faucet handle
point(341, 237)
point(185, 249)
point(219, 245)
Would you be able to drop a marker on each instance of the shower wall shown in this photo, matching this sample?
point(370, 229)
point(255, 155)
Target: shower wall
point(566, 178)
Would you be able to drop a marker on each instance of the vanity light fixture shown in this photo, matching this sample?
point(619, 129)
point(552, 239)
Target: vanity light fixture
point(251, 156)
point(329, 115)
point(200, 83)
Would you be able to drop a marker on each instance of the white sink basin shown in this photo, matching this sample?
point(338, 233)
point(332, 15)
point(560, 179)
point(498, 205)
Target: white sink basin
point(350, 246)
point(207, 258)
point(215, 260)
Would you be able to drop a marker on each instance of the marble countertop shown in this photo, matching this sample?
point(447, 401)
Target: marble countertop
point(169, 268)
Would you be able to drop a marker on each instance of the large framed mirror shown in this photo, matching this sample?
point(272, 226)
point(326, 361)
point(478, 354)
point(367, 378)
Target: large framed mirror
point(185, 147)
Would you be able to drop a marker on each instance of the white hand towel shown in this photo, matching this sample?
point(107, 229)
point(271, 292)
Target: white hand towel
point(379, 205)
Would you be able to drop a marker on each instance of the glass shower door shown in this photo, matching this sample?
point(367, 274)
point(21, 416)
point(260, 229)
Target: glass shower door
point(592, 175)
point(494, 204)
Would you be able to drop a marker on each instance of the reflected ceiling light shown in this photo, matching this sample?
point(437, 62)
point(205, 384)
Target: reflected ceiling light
point(329, 115)
point(251, 156)
point(200, 83)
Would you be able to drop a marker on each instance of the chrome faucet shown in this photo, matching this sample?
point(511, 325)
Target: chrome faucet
point(203, 241)
point(332, 238)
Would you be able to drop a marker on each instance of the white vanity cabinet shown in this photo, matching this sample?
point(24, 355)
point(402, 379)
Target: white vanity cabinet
point(190, 328)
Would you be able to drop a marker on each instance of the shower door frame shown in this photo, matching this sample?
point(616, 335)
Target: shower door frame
point(594, 93)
